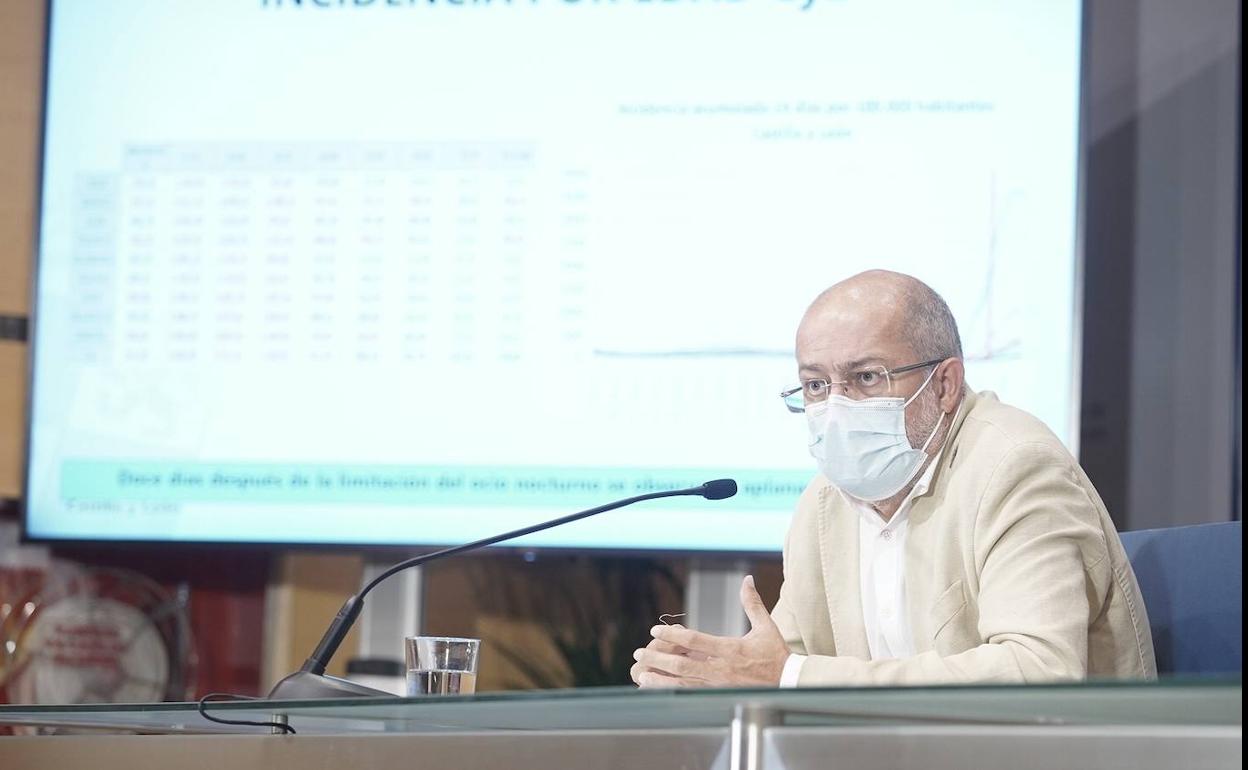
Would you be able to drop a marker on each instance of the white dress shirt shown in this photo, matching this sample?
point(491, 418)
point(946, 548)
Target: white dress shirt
point(882, 579)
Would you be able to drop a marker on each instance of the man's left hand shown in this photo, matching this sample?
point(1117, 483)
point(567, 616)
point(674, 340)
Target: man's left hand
point(682, 657)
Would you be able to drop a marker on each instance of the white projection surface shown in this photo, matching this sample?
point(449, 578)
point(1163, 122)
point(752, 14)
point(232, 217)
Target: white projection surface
point(370, 271)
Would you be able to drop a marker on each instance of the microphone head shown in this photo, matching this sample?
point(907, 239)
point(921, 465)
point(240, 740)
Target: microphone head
point(719, 489)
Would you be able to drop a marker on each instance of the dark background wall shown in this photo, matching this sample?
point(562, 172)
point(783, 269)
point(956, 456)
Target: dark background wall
point(1161, 388)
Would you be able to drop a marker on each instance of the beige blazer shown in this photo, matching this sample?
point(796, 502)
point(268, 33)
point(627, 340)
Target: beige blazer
point(1014, 571)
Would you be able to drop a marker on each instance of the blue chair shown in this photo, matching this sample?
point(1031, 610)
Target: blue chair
point(1192, 581)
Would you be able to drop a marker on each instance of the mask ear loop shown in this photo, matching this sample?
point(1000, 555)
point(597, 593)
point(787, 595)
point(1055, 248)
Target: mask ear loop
point(923, 387)
point(936, 429)
point(664, 617)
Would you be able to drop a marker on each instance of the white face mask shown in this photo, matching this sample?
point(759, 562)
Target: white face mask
point(861, 446)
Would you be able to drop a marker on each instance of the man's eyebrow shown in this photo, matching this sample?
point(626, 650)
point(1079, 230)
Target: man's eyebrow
point(857, 362)
point(845, 367)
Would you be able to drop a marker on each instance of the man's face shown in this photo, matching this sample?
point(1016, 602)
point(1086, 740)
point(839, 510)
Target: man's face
point(846, 334)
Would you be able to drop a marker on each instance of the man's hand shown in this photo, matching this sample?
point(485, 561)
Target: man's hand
point(682, 657)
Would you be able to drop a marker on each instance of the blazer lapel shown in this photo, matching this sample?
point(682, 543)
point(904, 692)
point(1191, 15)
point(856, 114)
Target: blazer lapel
point(838, 552)
point(923, 505)
point(920, 561)
point(921, 545)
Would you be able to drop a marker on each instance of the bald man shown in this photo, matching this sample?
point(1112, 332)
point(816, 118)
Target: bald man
point(948, 538)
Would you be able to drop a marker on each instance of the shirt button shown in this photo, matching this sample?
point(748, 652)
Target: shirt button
point(887, 612)
point(887, 534)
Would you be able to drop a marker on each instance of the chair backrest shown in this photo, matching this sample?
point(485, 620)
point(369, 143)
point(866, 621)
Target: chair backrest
point(1192, 581)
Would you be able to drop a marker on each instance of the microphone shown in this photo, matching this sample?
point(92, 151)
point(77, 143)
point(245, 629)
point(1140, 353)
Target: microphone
point(719, 489)
point(311, 682)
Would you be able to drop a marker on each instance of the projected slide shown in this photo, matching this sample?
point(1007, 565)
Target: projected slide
point(415, 272)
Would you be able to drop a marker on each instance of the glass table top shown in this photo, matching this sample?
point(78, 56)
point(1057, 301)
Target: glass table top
point(1170, 702)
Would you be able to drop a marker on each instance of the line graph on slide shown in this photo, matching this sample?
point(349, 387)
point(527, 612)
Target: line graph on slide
point(988, 314)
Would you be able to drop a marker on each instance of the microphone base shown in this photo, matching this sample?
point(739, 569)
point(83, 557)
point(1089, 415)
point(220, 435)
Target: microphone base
point(304, 685)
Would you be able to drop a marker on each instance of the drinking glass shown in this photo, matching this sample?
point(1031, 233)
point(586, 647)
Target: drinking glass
point(441, 665)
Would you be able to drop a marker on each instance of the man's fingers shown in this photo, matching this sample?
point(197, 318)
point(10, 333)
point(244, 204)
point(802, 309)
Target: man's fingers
point(659, 645)
point(753, 605)
point(654, 679)
point(695, 641)
point(674, 649)
point(678, 665)
point(638, 669)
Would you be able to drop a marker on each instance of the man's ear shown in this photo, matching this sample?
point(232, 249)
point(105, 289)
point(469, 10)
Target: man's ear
point(950, 377)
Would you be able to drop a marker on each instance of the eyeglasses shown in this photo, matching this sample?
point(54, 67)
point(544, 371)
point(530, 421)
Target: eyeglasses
point(867, 382)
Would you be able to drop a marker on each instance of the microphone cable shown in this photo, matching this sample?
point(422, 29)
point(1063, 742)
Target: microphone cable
point(223, 696)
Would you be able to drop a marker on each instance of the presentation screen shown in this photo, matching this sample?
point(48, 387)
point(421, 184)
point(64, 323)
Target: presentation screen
point(415, 272)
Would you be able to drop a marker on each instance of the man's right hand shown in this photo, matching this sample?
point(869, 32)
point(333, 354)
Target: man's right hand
point(659, 645)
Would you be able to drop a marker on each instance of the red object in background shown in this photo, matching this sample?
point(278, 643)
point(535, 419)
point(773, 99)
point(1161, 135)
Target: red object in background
point(227, 587)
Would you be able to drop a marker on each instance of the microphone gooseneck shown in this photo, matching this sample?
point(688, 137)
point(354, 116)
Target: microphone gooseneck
point(718, 489)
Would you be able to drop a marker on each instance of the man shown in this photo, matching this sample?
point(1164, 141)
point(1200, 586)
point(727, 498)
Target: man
point(948, 537)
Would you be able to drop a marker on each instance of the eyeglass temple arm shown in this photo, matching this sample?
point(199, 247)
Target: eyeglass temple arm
point(912, 367)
